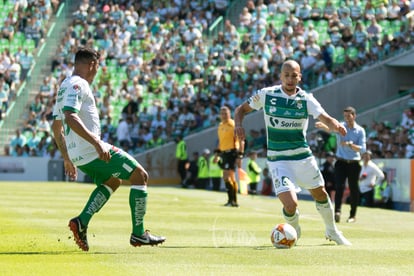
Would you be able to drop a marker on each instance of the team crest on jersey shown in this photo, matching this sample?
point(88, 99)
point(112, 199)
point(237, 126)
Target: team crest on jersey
point(76, 87)
point(117, 174)
point(298, 102)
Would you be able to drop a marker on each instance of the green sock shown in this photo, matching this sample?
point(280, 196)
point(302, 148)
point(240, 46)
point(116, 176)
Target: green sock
point(96, 201)
point(138, 205)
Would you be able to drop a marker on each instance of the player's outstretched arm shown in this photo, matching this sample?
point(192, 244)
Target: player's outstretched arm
point(329, 123)
point(239, 114)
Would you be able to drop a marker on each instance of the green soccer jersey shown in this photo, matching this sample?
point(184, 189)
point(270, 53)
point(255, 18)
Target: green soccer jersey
point(286, 118)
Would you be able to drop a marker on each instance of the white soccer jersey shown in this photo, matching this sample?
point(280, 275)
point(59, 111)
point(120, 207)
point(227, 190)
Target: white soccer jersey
point(286, 118)
point(75, 94)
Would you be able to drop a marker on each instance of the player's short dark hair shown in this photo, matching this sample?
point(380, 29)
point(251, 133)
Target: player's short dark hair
point(350, 109)
point(86, 55)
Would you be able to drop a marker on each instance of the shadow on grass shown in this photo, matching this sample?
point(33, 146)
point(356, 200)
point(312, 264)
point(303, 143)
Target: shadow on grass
point(56, 253)
point(265, 247)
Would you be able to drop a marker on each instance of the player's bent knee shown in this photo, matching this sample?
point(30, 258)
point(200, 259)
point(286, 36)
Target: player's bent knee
point(113, 183)
point(319, 194)
point(139, 176)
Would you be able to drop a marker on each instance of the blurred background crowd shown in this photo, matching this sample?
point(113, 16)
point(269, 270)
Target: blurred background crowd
point(163, 74)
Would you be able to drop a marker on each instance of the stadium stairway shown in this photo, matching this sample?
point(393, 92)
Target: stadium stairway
point(43, 54)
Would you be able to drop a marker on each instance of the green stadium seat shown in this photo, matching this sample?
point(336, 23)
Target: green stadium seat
point(336, 3)
point(28, 134)
point(339, 55)
point(4, 44)
point(322, 23)
point(395, 25)
point(19, 38)
point(278, 21)
point(386, 27)
point(321, 3)
point(322, 30)
point(242, 30)
point(323, 37)
point(29, 44)
point(352, 52)
point(183, 78)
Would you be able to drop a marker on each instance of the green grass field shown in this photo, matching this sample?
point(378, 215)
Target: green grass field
point(203, 237)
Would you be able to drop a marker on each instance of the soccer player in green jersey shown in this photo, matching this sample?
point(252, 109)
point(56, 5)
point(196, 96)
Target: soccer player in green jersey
point(76, 129)
point(291, 163)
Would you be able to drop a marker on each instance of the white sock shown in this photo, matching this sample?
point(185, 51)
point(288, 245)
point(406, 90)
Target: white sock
point(292, 220)
point(327, 212)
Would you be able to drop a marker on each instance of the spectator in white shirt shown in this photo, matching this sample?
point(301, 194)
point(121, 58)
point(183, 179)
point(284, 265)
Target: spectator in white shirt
point(158, 122)
point(122, 132)
point(191, 35)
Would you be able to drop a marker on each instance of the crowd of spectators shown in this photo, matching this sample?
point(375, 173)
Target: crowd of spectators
point(161, 76)
point(21, 30)
point(384, 139)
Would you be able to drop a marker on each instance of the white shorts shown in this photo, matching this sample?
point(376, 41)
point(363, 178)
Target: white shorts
point(294, 175)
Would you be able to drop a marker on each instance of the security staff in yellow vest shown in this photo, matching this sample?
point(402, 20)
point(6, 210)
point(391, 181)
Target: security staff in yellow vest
point(203, 177)
point(182, 158)
point(253, 171)
point(215, 171)
point(382, 194)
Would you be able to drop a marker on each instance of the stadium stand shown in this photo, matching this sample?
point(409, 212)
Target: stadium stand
point(22, 31)
point(160, 63)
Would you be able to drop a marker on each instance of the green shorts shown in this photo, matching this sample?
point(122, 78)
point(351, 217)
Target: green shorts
point(120, 166)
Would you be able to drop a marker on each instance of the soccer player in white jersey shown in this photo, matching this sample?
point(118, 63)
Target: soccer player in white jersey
point(291, 163)
point(76, 129)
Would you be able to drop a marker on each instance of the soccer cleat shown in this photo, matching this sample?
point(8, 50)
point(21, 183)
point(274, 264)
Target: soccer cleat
point(337, 217)
point(79, 233)
point(228, 204)
point(234, 204)
point(337, 237)
point(351, 220)
point(146, 239)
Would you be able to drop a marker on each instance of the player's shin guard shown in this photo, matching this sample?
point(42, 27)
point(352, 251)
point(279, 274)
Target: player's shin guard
point(138, 205)
point(327, 212)
point(96, 201)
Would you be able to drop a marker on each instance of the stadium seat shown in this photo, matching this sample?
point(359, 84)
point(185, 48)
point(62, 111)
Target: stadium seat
point(336, 3)
point(241, 30)
point(321, 3)
point(184, 77)
point(279, 20)
point(323, 37)
point(29, 44)
point(4, 44)
point(352, 52)
point(339, 56)
point(385, 24)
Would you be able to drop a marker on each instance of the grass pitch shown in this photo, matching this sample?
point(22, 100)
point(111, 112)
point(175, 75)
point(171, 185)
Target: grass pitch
point(203, 237)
